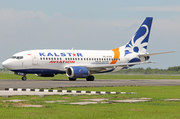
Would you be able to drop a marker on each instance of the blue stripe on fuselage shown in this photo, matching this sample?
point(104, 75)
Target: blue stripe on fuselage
point(39, 71)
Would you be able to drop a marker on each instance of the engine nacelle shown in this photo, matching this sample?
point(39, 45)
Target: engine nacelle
point(45, 75)
point(77, 72)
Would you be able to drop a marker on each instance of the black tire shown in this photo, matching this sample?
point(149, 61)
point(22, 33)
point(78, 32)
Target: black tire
point(90, 78)
point(24, 78)
point(72, 79)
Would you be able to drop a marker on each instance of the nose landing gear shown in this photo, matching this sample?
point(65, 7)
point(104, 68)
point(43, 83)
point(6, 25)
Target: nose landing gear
point(24, 78)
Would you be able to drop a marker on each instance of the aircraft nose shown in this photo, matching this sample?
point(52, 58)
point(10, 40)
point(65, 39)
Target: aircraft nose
point(6, 64)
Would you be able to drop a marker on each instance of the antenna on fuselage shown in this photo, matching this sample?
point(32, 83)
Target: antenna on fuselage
point(72, 48)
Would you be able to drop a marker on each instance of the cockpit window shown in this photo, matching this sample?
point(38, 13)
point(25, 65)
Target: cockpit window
point(13, 57)
point(17, 57)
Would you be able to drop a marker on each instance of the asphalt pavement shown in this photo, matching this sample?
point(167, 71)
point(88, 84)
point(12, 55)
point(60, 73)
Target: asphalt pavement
point(83, 83)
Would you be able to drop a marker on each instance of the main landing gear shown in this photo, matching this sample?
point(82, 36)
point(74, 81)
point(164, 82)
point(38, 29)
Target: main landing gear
point(89, 78)
point(72, 79)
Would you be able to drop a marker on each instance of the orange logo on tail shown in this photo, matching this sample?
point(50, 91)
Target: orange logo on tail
point(116, 55)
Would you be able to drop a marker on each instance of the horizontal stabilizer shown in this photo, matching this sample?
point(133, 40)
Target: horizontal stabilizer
point(156, 53)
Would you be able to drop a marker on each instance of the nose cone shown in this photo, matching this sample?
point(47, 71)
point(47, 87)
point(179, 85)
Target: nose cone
point(6, 64)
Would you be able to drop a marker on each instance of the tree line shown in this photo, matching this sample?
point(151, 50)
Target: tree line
point(170, 70)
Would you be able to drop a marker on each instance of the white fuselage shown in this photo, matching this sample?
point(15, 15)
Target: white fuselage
point(56, 61)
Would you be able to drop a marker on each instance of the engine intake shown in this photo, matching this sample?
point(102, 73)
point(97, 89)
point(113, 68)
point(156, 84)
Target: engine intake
point(77, 72)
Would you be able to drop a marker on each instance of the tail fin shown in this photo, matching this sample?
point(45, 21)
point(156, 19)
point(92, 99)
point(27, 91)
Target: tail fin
point(139, 41)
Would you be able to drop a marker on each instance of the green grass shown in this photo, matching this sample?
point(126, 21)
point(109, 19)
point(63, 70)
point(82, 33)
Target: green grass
point(30, 77)
point(155, 109)
point(137, 76)
point(103, 76)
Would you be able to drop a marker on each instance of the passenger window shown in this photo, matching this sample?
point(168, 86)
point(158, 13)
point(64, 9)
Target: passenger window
point(49, 58)
point(89, 58)
point(54, 58)
point(46, 58)
point(43, 58)
point(57, 58)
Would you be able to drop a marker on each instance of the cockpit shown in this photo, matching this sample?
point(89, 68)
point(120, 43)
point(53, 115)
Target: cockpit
point(17, 57)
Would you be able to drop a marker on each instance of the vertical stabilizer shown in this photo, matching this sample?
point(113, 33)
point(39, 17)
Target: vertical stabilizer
point(139, 41)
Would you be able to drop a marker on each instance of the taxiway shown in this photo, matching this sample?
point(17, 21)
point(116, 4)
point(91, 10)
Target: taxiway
point(82, 83)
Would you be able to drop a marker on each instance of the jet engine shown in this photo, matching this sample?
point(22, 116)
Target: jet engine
point(77, 72)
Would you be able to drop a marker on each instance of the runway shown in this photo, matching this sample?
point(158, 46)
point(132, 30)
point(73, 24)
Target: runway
point(82, 83)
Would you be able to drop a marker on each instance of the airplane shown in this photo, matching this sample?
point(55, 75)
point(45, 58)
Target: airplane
point(83, 63)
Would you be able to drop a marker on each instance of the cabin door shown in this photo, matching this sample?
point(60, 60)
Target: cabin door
point(34, 58)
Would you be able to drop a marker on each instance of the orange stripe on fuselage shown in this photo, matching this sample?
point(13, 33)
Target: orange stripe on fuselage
point(116, 55)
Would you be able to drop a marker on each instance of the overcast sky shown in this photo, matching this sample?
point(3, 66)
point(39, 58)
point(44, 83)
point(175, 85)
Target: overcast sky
point(89, 24)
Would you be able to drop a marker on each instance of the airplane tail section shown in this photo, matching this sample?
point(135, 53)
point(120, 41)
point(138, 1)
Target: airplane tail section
point(139, 41)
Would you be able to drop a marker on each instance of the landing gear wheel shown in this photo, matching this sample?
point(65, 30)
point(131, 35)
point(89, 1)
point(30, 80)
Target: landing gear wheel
point(24, 78)
point(90, 78)
point(72, 79)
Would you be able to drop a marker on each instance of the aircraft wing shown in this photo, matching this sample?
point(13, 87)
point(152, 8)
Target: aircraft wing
point(156, 53)
point(117, 65)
